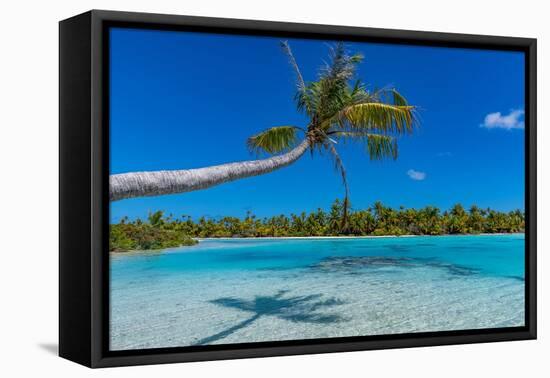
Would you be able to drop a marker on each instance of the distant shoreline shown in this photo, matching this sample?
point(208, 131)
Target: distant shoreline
point(310, 238)
point(378, 221)
point(355, 237)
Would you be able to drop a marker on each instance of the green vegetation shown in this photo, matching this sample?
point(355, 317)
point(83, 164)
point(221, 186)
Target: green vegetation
point(158, 233)
point(162, 231)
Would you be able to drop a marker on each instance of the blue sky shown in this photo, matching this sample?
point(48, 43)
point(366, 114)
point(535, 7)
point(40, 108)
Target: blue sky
point(186, 100)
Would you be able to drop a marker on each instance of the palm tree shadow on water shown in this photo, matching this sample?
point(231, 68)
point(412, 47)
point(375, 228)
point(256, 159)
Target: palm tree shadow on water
point(295, 309)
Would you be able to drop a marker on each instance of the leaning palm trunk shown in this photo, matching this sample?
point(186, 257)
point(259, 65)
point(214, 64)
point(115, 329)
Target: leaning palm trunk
point(144, 184)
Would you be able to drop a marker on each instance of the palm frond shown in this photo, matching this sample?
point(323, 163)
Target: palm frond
point(343, 99)
point(307, 100)
point(381, 146)
point(340, 167)
point(398, 99)
point(342, 66)
point(331, 92)
point(299, 78)
point(386, 118)
point(273, 140)
point(378, 146)
point(338, 163)
point(389, 96)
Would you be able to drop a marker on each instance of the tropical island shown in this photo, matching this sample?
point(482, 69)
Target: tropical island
point(339, 107)
point(161, 231)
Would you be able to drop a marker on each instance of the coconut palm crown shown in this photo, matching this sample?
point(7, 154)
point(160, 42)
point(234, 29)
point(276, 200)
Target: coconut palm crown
point(338, 106)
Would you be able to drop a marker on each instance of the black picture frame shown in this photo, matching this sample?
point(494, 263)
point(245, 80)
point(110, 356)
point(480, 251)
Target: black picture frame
point(84, 201)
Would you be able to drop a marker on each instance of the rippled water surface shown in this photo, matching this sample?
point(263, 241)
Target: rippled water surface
point(249, 290)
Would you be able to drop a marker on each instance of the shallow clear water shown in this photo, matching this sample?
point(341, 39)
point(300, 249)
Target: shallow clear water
point(247, 290)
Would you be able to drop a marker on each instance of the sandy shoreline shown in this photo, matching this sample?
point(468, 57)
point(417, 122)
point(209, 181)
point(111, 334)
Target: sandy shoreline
point(354, 237)
point(312, 238)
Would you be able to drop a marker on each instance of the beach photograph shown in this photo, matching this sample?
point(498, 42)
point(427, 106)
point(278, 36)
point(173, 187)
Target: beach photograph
point(267, 189)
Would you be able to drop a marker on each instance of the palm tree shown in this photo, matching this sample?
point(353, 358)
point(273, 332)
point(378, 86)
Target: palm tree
point(338, 106)
point(156, 219)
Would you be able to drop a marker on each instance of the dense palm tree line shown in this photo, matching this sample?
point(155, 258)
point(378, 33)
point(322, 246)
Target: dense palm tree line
point(164, 231)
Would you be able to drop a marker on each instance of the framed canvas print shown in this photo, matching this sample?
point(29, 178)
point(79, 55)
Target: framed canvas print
point(234, 188)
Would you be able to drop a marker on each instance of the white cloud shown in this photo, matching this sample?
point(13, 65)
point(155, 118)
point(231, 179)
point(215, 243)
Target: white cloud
point(512, 120)
point(416, 175)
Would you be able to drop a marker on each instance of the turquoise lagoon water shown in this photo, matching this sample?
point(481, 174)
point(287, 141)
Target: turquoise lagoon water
point(249, 290)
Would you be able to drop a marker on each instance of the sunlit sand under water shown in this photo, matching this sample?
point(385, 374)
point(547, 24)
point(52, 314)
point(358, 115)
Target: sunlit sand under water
point(235, 291)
